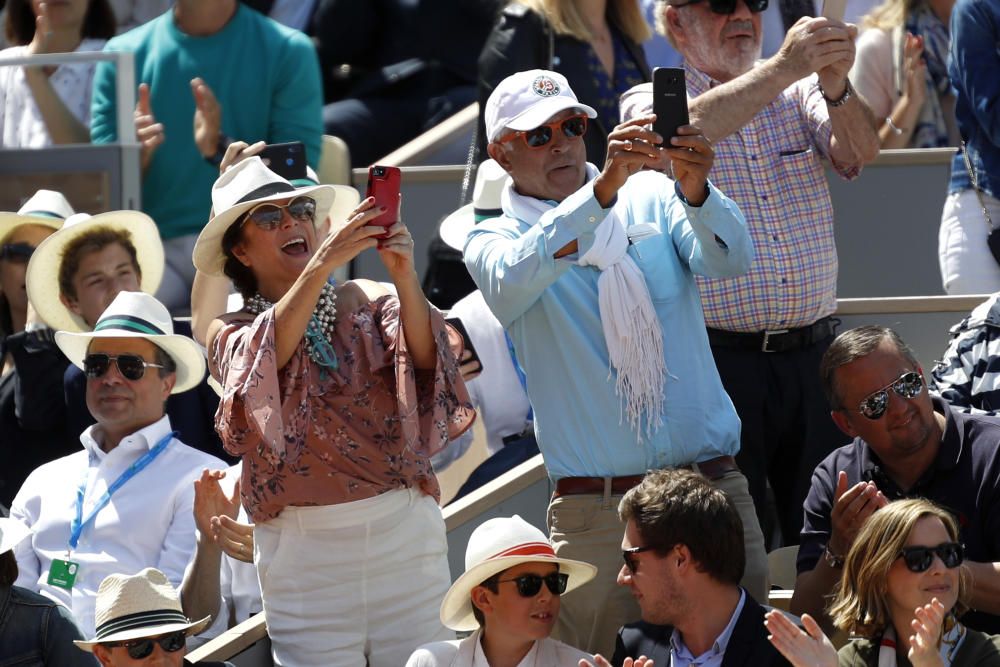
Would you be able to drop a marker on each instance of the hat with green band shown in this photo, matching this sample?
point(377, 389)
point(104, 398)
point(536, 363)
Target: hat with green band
point(140, 315)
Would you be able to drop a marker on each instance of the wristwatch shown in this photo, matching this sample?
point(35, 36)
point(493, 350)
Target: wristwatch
point(840, 101)
point(832, 559)
point(220, 150)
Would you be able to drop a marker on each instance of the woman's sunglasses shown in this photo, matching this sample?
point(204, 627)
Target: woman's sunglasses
point(574, 126)
point(268, 215)
point(132, 367)
point(17, 252)
point(908, 385)
point(528, 585)
point(920, 559)
point(728, 6)
point(143, 648)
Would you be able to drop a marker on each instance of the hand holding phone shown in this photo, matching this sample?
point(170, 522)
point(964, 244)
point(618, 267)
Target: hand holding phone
point(834, 9)
point(670, 102)
point(383, 184)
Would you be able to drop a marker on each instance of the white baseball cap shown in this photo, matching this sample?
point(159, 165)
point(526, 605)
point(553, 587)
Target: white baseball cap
point(525, 100)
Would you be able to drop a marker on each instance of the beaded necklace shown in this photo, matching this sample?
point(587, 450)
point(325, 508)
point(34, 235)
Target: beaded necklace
point(319, 331)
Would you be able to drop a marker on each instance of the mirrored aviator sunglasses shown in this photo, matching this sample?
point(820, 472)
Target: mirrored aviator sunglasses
point(920, 559)
point(139, 649)
point(268, 215)
point(908, 386)
point(131, 366)
point(574, 126)
point(728, 6)
point(528, 585)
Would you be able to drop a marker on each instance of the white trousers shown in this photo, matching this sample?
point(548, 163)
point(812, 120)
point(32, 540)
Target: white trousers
point(353, 584)
point(967, 266)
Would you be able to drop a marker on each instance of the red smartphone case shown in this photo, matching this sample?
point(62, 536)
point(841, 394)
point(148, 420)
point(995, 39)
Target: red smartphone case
point(383, 185)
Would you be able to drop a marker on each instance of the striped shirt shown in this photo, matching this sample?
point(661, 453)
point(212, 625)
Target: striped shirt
point(771, 168)
point(969, 374)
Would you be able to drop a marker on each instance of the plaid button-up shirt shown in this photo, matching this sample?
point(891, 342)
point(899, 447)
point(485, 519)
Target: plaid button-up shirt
point(771, 168)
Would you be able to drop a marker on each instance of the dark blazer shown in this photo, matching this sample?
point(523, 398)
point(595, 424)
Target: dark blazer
point(748, 646)
point(521, 41)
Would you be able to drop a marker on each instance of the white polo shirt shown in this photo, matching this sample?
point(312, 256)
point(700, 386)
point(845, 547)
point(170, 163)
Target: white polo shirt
point(147, 523)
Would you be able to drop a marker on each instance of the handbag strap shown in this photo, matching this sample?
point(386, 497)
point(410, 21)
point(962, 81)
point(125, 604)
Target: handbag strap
point(975, 186)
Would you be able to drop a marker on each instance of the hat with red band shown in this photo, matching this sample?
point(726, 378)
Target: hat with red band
point(495, 546)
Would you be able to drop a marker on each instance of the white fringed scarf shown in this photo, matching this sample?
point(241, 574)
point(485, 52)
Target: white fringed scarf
point(631, 329)
point(951, 641)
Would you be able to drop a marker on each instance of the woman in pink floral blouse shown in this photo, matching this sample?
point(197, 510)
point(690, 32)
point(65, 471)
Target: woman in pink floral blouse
point(336, 397)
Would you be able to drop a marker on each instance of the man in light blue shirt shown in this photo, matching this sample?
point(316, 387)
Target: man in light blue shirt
point(592, 275)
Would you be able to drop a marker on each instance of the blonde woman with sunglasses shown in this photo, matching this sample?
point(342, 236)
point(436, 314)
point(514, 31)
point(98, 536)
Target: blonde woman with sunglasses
point(903, 591)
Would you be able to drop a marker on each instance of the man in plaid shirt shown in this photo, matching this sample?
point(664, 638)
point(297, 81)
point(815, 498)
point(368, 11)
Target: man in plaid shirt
point(772, 122)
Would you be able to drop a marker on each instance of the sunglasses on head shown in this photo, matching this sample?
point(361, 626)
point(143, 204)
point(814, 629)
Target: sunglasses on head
point(728, 6)
point(528, 585)
point(628, 555)
point(574, 126)
point(908, 385)
point(16, 252)
point(920, 559)
point(139, 649)
point(131, 366)
point(268, 215)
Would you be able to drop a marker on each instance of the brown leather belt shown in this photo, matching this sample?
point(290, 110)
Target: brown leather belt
point(711, 469)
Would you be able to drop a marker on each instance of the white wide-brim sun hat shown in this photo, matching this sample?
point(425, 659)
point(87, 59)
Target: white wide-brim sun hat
point(248, 183)
point(137, 606)
point(42, 277)
point(46, 207)
point(490, 182)
point(497, 545)
point(140, 315)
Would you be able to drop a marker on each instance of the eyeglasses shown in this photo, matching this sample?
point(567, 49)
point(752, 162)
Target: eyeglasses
point(728, 6)
point(908, 385)
point(17, 252)
point(139, 649)
point(131, 366)
point(268, 215)
point(574, 126)
point(528, 585)
point(919, 559)
point(629, 556)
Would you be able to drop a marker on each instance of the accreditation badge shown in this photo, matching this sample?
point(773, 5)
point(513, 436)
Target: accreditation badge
point(63, 573)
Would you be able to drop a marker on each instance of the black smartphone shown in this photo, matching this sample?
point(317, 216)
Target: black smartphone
point(670, 102)
point(287, 160)
point(460, 327)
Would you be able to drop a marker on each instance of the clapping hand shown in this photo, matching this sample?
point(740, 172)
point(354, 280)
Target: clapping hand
point(601, 661)
point(801, 649)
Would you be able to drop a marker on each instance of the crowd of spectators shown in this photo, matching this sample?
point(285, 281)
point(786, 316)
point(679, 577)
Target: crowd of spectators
point(652, 314)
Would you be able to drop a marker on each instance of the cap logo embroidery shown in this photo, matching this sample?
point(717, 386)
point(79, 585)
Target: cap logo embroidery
point(545, 86)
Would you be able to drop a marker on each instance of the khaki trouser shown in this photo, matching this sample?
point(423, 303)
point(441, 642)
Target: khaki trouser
point(587, 528)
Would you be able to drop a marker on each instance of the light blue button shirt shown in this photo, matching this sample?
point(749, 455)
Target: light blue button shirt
point(680, 655)
point(550, 309)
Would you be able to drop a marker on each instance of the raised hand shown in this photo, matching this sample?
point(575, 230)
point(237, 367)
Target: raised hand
point(601, 661)
point(210, 501)
point(850, 511)
point(348, 238)
point(915, 70)
point(238, 151)
point(816, 44)
point(207, 118)
point(41, 40)
point(799, 648)
point(148, 132)
point(691, 158)
point(631, 147)
point(926, 625)
point(233, 537)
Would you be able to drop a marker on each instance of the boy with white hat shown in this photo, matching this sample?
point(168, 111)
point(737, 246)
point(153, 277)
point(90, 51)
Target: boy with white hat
point(140, 620)
point(509, 594)
point(125, 501)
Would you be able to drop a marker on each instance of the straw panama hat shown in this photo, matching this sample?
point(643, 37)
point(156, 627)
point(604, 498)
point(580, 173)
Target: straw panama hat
point(494, 546)
point(490, 181)
point(12, 533)
point(42, 277)
point(140, 315)
point(248, 183)
point(136, 606)
point(46, 207)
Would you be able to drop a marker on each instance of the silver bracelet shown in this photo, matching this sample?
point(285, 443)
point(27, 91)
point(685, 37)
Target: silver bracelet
point(840, 101)
point(892, 126)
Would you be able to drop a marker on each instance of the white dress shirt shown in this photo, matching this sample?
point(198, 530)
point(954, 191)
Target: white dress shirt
point(149, 521)
point(469, 653)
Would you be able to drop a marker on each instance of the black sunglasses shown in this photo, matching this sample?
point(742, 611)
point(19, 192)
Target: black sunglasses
point(628, 555)
point(920, 559)
point(528, 585)
point(267, 216)
point(143, 648)
point(17, 252)
point(908, 385)
point(574, 126)
point(131, 366)
point(728, 6)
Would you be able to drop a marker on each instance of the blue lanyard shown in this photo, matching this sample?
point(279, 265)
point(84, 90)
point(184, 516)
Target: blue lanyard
point(522, 378)
point(79, 523)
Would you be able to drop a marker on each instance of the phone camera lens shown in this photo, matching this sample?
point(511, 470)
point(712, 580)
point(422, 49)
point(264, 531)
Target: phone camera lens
point(379, 171)
point(289, 161)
